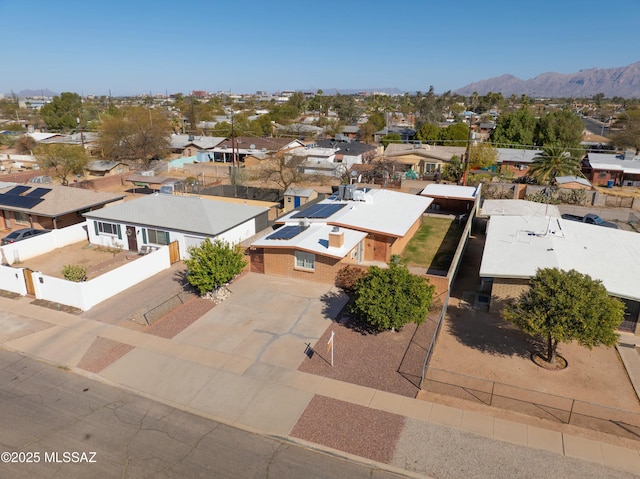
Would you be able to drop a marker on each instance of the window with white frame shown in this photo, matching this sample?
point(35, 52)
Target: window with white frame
point(305, 260)
point(106, 228)
point(157, 237)
point(21, 217)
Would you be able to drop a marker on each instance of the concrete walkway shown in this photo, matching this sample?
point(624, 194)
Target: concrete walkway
point(238, 365)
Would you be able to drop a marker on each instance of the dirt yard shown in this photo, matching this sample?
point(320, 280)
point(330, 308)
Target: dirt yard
point(97, 259)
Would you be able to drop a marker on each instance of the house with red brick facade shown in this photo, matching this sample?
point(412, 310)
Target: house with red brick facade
point(353, 226)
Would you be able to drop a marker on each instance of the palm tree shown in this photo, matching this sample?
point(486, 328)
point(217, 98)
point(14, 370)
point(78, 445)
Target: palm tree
point(552, 161)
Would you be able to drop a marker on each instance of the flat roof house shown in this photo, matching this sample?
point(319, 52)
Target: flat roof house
point(516, 246)
point(604, 169)
point(159, 219)
point(452, 198)
point(354, 226)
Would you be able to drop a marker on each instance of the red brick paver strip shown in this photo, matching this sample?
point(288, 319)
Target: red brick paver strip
point(350, 428)
point(180, 318)
point(389, 361)
point(102, 353)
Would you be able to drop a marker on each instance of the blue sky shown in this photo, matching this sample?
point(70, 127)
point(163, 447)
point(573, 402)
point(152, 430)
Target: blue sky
point(141, 46)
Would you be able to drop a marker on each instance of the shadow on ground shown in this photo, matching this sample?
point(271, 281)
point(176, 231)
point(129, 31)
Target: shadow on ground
point(489, 333)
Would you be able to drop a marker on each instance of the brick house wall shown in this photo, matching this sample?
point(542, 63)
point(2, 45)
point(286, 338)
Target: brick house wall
point(281, 262)
point(398, 246)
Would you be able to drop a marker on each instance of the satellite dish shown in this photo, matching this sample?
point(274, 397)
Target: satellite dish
point(354, 174)
point(252, 147)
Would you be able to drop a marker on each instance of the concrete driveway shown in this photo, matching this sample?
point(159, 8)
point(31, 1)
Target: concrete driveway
point(268, 319)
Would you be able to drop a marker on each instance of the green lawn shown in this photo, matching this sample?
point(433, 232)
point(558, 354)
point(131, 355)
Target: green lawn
point(434, 244)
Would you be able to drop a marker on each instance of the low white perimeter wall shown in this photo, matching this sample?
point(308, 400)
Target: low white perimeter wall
point(12, 279)
point(44, 243)
point(87, 294)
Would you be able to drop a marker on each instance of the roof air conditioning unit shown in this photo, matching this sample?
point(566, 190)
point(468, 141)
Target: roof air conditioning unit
point(359, 195)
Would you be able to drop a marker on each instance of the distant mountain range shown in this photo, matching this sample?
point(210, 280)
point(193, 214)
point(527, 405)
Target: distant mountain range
point(31, 93)
point(623, 82)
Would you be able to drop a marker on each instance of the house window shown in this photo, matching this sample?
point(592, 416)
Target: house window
point(20, 217)
point(157, 237)
point(106, 228)
point(305, 260)
point(602, 175)
point(289, 199)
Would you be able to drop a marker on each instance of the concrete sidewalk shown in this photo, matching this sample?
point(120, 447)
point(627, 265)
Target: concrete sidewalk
point(246, 375)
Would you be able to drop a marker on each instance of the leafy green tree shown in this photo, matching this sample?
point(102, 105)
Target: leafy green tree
point(514, 129)
point(389, 298)
point(367, 132)
point(64, 159)
point(213, 264)
point(561, 127)
point(552, 161)
point(452, 171)
point(63, 113)
point(455, 135)
point(135, 134)
point(390, 138)
point(429, 106)
point(345, 107)
point(428, 132)
point(378, 120)
point(482, 155)
point(564, 306)
point(629, 136)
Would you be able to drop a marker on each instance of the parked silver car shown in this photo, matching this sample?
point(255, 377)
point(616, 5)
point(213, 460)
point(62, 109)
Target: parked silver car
point(22, 234)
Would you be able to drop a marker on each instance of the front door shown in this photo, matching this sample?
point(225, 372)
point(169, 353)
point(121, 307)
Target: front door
point(379, 249)
point(257, 260)
point(131, 238)
point(296, 201)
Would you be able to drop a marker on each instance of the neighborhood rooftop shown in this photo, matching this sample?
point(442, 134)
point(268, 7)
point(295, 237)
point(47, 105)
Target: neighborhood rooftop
point(517, 246)
point(382, 211)
point(181, 213)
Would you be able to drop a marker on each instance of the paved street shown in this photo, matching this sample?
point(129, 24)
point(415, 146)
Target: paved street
point(237, 365)
point(49, 410)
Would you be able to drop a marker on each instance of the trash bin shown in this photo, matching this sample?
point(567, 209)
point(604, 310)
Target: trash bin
point(610, 184)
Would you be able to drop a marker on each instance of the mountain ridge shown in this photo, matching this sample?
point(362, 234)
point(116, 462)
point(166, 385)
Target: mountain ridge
point(619, 81)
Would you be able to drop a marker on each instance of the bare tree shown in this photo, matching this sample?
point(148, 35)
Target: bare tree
point(64, 159)
point(284, 171)
point(137, 134)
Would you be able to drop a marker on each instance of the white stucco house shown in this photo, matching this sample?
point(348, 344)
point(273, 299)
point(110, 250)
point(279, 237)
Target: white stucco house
point(516, 246)
point(159, 219)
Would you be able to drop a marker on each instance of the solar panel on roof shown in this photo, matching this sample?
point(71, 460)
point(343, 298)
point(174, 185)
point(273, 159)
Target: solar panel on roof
point(287, 232)
point(17, 190)
point(320, 210)
point(38, 192)
point(17, 201)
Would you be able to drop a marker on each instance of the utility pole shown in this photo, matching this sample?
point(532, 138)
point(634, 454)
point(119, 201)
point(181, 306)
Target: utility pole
point(233, 150)
point(467, 153)
point(80, 126)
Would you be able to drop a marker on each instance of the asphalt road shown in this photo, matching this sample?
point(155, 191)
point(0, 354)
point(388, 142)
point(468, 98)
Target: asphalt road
point(54, 423)
point(595, 127)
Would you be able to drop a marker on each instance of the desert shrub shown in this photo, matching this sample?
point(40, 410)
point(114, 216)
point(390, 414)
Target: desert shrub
point(389, 298)
point(347, 277)
point(74, 272)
